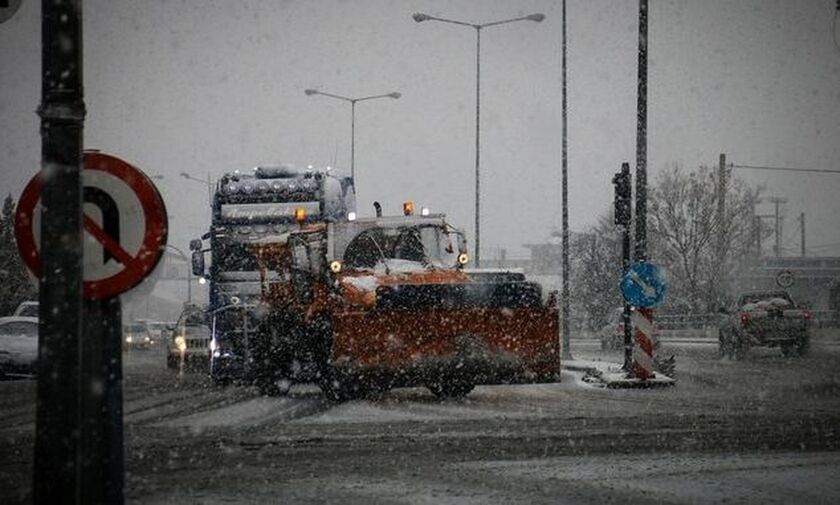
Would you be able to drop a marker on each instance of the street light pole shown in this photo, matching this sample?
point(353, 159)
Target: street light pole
point(208, 182)
point(394, 94)
point(567, 352)
point(420, 17)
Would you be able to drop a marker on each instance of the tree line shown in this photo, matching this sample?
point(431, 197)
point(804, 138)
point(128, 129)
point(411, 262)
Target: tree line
point(15, 283)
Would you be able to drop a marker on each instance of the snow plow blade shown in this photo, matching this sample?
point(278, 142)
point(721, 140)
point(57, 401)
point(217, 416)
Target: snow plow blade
point(479, 345)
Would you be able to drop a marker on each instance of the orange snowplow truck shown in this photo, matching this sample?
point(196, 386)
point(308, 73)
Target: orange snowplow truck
point(363, 306)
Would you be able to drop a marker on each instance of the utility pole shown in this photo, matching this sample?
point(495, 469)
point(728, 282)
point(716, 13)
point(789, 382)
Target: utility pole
point(641, 137)
point(722, 228)
point(62, 112)
point(802, 231)
point(760, 228)
point(567, 352)
point(777, 201)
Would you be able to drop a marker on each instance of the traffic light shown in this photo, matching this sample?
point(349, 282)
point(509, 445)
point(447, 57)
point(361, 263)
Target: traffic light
point(622, 195)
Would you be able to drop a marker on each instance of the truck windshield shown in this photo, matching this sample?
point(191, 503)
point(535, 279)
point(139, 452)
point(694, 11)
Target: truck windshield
point(415, 247)
point(235, 257)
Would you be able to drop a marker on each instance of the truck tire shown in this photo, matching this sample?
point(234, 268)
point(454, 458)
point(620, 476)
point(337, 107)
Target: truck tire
point(723, 345)
point(273, 387)
point(739, 348)
point(453, 390)
point(340, 387)
point(803, 345)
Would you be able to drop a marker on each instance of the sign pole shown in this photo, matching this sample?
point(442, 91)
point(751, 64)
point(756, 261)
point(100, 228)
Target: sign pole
point(102, 433)
point(62, 113)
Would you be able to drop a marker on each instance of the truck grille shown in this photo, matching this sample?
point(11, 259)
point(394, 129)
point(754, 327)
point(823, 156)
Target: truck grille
point(497, 295)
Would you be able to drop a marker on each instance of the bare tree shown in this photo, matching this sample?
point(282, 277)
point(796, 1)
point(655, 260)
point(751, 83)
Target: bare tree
point(699, 247)
point(596, 255)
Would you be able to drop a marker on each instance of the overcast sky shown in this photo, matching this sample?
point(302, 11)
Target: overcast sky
point(212, 86)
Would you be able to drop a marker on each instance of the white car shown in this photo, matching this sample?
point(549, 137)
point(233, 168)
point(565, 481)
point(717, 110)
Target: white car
point(27, 309)
point(18, 346)
point(190, 340)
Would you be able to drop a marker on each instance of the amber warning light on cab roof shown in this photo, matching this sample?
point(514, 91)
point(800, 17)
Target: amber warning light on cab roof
point(408, 208)
point(300, 215)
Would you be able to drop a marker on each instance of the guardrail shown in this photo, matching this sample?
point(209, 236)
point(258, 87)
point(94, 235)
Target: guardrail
point(820, 319)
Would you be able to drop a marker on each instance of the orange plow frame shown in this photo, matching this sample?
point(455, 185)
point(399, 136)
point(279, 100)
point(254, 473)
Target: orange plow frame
point(524, 341)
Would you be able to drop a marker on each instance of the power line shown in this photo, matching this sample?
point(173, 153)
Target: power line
point(788, 169)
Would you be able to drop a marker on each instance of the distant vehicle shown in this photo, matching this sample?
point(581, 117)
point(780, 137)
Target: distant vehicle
point(158, 329)
point(136, 335)
point(190, 338)
point(612, 333)
point(765, 318)
point(18, 346)
point(27, 309)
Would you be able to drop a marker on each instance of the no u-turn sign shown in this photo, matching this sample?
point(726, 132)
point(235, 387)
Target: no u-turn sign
point(124, 220)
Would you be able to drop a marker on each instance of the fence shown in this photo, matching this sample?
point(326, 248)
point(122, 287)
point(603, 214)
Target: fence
point(820, 319)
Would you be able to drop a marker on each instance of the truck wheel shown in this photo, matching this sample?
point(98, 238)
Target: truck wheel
point(803, 345)
point(726, 347)
point(274, 387)
point(444, 389)
point(739, 348)
point(340, 387)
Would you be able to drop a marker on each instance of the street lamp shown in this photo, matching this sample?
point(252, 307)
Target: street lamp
point(420, 17)
point(209, 184)
point(189, 270)
point(393, 94)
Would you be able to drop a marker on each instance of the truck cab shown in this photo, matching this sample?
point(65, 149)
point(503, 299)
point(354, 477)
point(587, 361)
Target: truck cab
point(384, 302)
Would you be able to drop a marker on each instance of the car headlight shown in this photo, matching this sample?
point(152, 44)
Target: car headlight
point(463, 258)
point(180, 343)
point(335, 266)
point(128, 339)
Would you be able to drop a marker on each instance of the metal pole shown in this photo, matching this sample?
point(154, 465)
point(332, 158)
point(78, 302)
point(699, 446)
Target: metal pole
point(802, 231)
point(62, 112)
point(353, 139)
point(641, 138)
point(477, 145)
point(567, 352)
point(625, 265)
point(758, 227)
point(209, 190)
point(189, 282)
point(101, 465)
point(720, 272)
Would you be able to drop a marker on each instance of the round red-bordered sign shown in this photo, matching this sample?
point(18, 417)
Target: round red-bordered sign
point(137, 262)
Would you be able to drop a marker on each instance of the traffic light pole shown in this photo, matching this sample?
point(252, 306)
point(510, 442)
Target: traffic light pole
point(623, 218)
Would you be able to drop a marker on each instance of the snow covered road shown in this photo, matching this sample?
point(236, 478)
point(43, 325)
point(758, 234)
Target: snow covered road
point(760, 431)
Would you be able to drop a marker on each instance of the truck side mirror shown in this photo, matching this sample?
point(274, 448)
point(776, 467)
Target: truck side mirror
point(198, 263)
point(195, 245)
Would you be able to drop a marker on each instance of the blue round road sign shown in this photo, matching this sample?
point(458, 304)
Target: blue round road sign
point(643, 284)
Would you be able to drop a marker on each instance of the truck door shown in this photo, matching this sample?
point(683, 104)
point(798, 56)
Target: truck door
point(308, 265)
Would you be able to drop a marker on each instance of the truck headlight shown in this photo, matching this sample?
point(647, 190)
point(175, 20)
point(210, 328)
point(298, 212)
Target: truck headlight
point(180, 343)
point(463, 258)
point(128, 339)
point(335, 266)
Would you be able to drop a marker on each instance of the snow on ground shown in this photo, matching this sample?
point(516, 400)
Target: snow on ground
point(249, 413)
point(760, 478)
